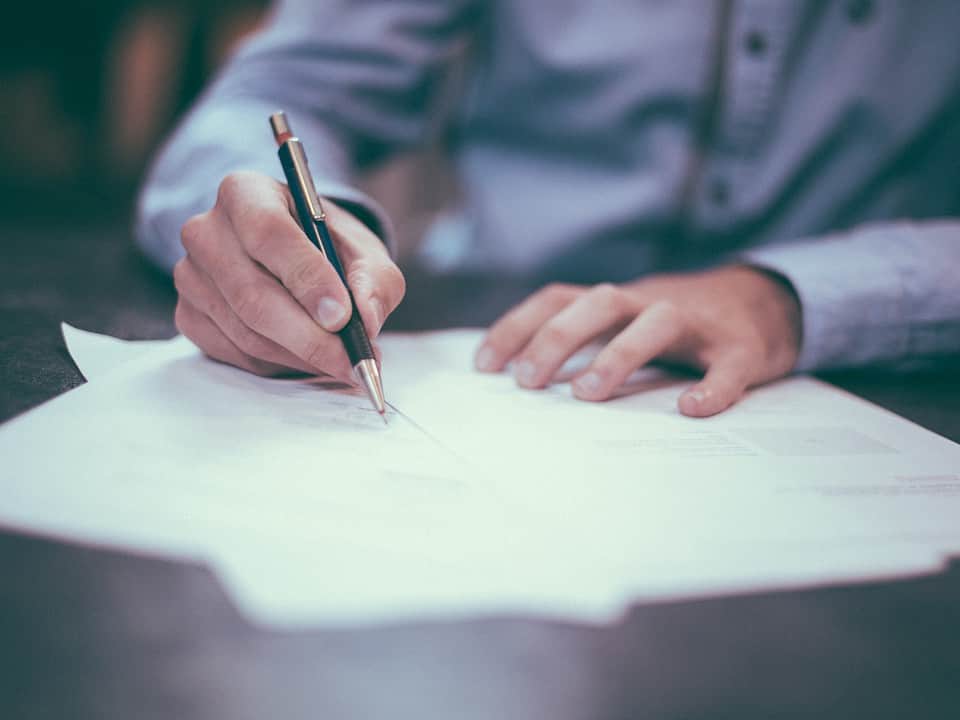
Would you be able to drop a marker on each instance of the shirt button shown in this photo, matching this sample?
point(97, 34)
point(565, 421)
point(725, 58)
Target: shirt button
point(860, 11)
point(719, 192)
point(755, 43)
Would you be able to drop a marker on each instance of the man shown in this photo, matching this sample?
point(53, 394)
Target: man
point(746, 187)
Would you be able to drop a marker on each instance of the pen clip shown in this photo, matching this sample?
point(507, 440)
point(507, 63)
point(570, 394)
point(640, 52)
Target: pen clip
point(283, 134)
point(305, 179)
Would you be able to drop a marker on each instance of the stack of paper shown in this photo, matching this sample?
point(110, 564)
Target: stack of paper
point(476, 497)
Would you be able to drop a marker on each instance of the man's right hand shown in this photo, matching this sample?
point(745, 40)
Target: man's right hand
point(255, 293)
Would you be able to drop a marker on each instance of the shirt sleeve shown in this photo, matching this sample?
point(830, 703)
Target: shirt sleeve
point(355, 78)
point(884, 294)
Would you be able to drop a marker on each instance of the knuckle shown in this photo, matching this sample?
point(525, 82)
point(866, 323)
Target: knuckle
point(667, 310)
point(213, 306)
point(341, 216)
point(555, 291)
point(180, 273)
point(358, 275)
point(395, 280)
point(181, 319)
point(185, 320)
point(363, 269)
point(244, 193)
point(231, 186)
point(248, 341)
point(251, 306)
point(307, 274)
point(266, 229)
point(553, 335)
point(363, 279)
point(607, 295)
point(193, 233)
point(711, 316)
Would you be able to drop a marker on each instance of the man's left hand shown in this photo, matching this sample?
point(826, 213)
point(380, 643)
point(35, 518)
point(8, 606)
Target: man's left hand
point(740, 325)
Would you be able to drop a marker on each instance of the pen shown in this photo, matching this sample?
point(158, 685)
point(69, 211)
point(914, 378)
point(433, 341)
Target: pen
point(313, 221)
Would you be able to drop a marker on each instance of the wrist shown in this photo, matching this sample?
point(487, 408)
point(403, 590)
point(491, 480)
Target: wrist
point(774, 301)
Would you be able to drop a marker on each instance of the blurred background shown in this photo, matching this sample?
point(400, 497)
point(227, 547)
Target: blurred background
point(88, 90)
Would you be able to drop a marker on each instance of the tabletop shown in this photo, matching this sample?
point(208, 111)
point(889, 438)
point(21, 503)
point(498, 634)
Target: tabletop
point(98, 633)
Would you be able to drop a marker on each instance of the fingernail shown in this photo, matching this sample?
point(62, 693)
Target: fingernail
point(588, 384)
point(486, 359)
point(330, 313)
point(697, 396)
point(524, 372)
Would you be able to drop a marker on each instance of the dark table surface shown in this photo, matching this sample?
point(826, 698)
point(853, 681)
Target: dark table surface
point(89, 633)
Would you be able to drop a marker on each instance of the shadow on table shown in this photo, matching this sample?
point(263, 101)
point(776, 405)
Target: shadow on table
point(101, 634)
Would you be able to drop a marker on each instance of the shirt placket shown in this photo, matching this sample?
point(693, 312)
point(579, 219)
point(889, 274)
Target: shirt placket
point(757, 42)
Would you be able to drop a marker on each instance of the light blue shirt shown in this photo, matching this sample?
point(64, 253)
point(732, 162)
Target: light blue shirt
point(608, 139)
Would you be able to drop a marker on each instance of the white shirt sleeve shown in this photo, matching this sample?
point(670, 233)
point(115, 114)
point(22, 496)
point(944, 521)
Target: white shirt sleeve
point(884, 294)
point(355, 78)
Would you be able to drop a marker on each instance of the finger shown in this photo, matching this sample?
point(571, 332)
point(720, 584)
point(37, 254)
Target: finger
point(375, 281)
point(264, 306)
point(593, 313)
point(207, 336)
point(197, 288)
point(511, 333)
point(652, 333)
point(724, 383)
point(260, 301)
point(377, 288)
point(260, 216)
point(270, 234)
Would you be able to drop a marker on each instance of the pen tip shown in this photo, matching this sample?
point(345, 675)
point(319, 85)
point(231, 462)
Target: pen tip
point(369, 375)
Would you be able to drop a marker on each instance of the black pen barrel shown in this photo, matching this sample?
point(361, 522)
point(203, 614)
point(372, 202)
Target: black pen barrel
point(354, 336)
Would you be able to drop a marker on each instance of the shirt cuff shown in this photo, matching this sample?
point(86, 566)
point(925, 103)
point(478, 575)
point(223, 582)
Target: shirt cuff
point(851, 301)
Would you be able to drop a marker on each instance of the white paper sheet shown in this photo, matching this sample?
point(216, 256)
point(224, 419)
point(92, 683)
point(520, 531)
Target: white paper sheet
point(98, 355)
point(479, 497)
